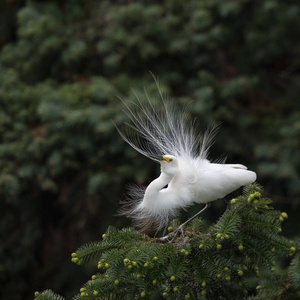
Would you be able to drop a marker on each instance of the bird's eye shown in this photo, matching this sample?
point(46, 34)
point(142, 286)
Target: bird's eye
point(171, 159)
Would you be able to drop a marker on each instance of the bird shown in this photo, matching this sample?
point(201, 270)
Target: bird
point(161, 131)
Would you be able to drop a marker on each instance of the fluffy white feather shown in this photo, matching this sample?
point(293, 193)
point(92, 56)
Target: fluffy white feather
point(160, 131)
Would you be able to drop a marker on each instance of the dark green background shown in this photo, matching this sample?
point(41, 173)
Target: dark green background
point(62, 64)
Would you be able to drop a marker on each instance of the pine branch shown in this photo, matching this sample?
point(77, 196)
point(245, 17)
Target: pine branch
point(223, 261)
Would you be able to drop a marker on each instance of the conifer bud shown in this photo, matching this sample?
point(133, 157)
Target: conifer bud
point(143, 294)
point(203, 292)
point(241, 247)
point(240, 272)
point(233, 201)
point(175, 289)
point(170, 228)
point(36, 293)
point(165, 294)
point(187, 296)
point(284, 215)
point(95, 293)
point(155, 258)
point(154, 281)
point(219, 246)
point(117, 281)
point(172, 278)
point(201, 246)
point(103, 235)
point(203, 284)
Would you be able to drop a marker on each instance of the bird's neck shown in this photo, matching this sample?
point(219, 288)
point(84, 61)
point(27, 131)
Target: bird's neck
point(151, 193)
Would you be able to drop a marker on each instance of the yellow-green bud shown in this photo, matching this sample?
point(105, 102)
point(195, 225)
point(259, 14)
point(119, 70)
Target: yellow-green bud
point(82, 290)
point(165, 294)
point(226, 269)
point(258, 287)
point(126, 260)
point(273, 249)
point(94, 277)
point(279, 229)
point(203, 284)
point(75, 260)
point(154, 281)
point(146, 265)
point(129, 267)
point(95, 293)
point(227, 277)
point(281, 219)
point(170, 228)
point(138, 276)
point(240, 272)
point(143, 294)
point(74, 254)
point(172, 278)
point(82, 294)
point(175, 289)
point(36, 293)
point(155, 258)
point(219, 275)
point(203, 292)
point(201, 246)
point(219, 235)
point(284, 215)
point(187, 296)
point(241, 247)
point(117, 281)
point(103, 235)
point(219, 246)
point(134, 263)
point(106, 265)
point(226, 236)
point(233, 201)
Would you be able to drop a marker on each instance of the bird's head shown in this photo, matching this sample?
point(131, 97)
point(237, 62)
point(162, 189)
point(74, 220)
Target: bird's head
point(169, 164)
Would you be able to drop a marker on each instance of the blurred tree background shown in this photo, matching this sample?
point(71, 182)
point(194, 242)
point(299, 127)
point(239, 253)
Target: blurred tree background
point(63, 166)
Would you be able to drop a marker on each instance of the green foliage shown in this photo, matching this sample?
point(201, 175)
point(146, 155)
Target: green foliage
point(238, 255)
point(61, 64)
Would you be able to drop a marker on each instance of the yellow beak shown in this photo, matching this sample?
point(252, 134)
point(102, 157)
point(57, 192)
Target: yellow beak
point(167, 159)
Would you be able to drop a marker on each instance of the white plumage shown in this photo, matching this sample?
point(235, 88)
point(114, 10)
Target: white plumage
point(161, 132)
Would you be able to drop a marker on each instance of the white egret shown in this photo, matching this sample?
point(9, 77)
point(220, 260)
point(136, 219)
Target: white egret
point(161, 132)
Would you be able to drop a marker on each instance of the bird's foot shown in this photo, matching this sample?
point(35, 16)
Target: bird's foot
point(172, 235)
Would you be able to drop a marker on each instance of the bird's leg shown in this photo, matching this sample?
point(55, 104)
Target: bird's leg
point(180, 228)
